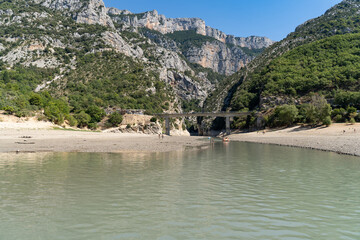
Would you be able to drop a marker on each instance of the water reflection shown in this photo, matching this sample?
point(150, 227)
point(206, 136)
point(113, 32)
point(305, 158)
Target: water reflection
point(230, 191)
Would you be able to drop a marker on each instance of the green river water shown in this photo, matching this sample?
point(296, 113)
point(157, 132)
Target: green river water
point(229, 191)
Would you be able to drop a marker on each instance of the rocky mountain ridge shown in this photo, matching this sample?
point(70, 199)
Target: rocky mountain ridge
point(89, 12)
point(155, 21)
point(224, 54)
point(57, 34)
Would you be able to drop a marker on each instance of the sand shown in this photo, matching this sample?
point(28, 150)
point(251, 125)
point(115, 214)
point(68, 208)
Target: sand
point(339, 138)
point(30, 135)
point(27, 140)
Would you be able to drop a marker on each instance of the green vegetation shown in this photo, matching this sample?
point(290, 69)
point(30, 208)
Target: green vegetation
point(328, 66)
point(114, 119)
point(16, 90)
point(316, 112)
point(284, 115)
point(339, 20)
point(192, 105)
point(101, 79)
point(252, 52)
point(189, 38)
point(111, 79)
point(212, 76)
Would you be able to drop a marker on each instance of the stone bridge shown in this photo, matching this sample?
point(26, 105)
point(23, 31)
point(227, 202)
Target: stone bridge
point(226, 115)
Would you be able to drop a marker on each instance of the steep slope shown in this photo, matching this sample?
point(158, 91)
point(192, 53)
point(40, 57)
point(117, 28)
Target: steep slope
point(248, 87)
point(55, 58)
point(200, 44)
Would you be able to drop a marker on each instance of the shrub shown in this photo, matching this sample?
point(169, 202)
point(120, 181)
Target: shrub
point(35, 100)
point(82, 118)
point(9, 109)
point(96, 113)
point(115, 119)
point(92, 126)
point(284, 115)
point(327, 121)
point(338, 118)
point(317, 110)
point(72, 121)
point(53, 113)
point(153, 119)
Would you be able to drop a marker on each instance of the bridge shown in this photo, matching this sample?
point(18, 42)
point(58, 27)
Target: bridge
point(226, 115)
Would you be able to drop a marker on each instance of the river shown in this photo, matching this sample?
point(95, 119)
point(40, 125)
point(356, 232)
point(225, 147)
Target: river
point(229, 191)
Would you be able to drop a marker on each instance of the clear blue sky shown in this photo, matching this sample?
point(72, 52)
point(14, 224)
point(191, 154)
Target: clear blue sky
point(271, 18)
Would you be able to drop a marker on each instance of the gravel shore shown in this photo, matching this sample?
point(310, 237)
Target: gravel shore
point(24, 140)
point(339, 138)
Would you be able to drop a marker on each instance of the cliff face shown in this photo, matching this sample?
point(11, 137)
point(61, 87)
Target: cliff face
point(89, 12)
point(154, 21)
point(219, 57)
point(224, 54)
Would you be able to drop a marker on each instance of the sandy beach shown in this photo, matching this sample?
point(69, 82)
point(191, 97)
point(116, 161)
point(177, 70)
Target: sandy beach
point(42, 140)
point(31, 135)
point(339, 138)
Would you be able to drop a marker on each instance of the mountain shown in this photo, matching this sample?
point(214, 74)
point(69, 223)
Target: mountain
point(74, 59)
point(200, 44)
point(319, 57)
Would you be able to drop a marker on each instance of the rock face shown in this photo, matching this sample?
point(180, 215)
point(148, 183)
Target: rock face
point(222, 53)
point(89, 12)
point(219, 57)
point(252, 42)
point(154, 21)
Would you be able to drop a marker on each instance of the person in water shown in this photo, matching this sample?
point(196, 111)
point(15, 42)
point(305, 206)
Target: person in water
point(225, 139)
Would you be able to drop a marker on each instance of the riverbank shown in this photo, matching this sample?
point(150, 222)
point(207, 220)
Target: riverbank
point(45, 140)
point(339, 138)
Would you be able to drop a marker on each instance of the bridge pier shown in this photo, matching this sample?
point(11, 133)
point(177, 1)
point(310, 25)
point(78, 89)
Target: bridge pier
point(200, 115)
point(228, 130)
point(167, 126)
point(200, 126)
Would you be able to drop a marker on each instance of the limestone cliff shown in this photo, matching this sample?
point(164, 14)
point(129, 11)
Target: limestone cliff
point(219, 57)
point(90, 12)
point(155, 21)
point(224, 54)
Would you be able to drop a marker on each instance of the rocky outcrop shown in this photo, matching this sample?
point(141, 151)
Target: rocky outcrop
point(89, 12)
point(252, 42)
point(219, 57)
point(118, 43)
point(155, 21)
point(186, 88)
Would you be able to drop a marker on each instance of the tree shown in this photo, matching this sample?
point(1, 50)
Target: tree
point(53, 113)
point(115, 119)
point(96, 113)
point(285, 115)
point(35, 99)
point(82, 118)
point(318, 110)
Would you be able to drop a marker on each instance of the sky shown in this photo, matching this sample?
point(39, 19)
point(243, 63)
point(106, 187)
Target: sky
point(274, 19)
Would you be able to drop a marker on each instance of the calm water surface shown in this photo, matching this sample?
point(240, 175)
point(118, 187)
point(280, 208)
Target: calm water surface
point(234, 191)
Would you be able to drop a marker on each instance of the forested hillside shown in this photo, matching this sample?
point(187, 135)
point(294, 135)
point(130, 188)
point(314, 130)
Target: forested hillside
point(293, 72)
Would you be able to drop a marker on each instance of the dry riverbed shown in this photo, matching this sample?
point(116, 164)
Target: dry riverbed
point(340, 138)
